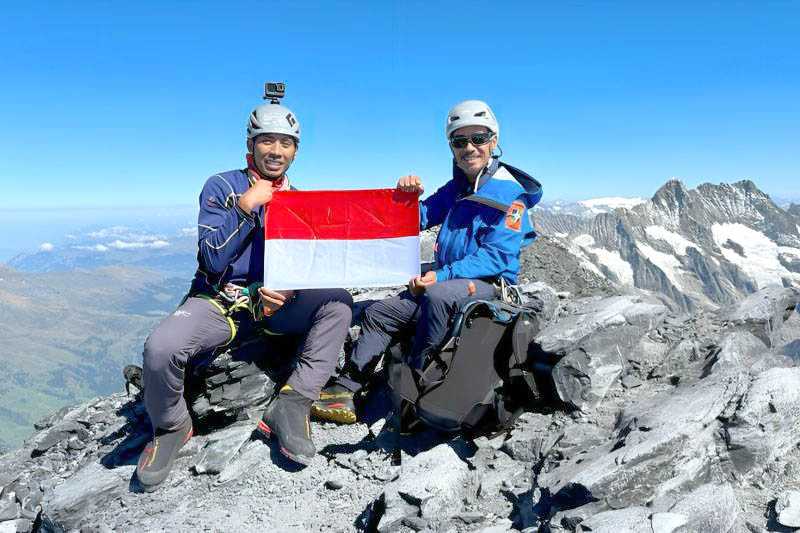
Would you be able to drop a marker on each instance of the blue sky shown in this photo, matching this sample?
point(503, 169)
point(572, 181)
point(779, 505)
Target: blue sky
point(111, 104)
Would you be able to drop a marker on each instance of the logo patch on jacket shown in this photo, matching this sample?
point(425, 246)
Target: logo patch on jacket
point(514, 216)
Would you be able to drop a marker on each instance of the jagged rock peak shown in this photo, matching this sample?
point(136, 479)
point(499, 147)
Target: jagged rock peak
point(741, 189)
point(673, 192)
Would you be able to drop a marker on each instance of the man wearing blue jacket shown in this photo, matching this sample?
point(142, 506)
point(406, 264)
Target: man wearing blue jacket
point(483, 212)
point(218, 307)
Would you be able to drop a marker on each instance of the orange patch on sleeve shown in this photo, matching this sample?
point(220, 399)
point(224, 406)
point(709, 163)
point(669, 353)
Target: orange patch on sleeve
point(514, 216)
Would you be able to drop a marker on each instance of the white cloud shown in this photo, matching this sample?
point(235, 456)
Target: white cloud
point(127, 245)
point(46, 247)
point(125, 234)
point(93, 248)
point(189, 232)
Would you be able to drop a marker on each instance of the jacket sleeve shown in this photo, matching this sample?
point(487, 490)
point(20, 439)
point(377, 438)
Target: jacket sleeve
point(434, 209)
point(223, 229)
point(498, 248)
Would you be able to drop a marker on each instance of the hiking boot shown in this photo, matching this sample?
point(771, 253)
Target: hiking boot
point(335, 404)
point(159, 455)
point(288, 419)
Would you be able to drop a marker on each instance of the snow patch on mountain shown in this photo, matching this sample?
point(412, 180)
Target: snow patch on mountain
point(759, 254)
point(678, 242)
point(667, 263)
point(788, 250)
point(576, 246)
point(603, 205)
point(610, 259)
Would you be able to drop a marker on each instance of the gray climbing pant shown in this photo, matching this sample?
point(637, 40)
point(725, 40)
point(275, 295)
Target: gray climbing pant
point(321, 316)
point(429, 314)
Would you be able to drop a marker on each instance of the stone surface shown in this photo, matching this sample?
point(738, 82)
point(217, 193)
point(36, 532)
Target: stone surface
point(431, 485)
point(700, 431)
point(764, 312)
point(221, 448)
point(788, 508)
point(531, 437)
point(9, 510)
point(767, 424)
point(667, 522)
point(628, 520)
point(90, 489)
point(662, 447)
point(710, 507)
point(592, 342)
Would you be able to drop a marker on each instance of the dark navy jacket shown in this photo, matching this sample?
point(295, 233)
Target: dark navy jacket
point(483, 229)
point(227, 249)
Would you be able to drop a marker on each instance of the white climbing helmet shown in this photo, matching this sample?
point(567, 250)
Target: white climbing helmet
point(471, 113)
point(273, 118)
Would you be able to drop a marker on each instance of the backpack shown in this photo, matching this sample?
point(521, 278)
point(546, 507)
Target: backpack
point(482, 377)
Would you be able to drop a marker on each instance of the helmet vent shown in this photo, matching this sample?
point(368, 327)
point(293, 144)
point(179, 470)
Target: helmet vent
point(480, 114)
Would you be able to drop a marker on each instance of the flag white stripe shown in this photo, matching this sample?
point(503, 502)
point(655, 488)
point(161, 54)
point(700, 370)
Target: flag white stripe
point(317, 264)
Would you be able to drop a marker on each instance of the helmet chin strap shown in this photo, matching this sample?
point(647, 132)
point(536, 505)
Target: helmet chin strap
point(256, 173)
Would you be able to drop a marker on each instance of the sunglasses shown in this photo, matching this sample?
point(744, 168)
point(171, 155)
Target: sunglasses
point(477, 139)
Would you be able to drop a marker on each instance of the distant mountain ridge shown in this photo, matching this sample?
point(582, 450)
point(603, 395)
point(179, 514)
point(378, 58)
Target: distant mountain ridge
point(705, 247)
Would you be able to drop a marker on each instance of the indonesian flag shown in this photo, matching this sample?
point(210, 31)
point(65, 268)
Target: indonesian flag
point(330, 239)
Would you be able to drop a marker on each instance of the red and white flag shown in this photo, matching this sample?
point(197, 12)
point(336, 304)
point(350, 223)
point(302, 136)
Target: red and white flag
point(329, 239)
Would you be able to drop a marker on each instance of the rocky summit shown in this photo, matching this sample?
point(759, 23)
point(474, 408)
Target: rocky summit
point(659, 421)
point(673, 405)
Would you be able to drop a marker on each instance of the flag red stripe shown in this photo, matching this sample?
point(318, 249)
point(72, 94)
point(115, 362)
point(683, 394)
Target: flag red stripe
point(342, 215)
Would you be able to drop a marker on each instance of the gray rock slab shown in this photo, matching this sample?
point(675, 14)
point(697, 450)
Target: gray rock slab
point(251, 455)
point(531, 437)
point(9, 510)
point(431, 484)
point(500, 526)
point(710, 507)
point(575, 438)
point(20, 525)
point(89, 489)
point(764, 312)
point(667, 522)
point(788, 508)
point(221, 448)
point(582, 378)
point(592, 315)
point(740, 349)
point(593, 342)
point(663, 447)
point(498, 472)
point(628, 520)
point(767, 424)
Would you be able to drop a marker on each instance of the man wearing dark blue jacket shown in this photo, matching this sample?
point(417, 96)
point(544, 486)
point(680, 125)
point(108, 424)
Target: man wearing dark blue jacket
point(483, 212)
point(219, 307)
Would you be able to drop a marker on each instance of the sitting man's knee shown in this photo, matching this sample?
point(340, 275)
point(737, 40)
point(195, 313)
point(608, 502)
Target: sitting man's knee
point(160, 349)
point(340, 311)
point(437, 294)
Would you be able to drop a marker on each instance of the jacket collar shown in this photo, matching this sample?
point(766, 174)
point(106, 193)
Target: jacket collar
point(485, 175)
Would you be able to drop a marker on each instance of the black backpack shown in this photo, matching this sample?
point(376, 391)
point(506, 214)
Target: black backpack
point(483, 376)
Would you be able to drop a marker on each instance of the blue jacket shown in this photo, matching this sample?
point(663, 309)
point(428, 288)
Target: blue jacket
point(483, 229)
point(227, 250)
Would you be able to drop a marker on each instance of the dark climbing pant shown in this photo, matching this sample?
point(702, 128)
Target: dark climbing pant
point(430, 312)
point(321, 316)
